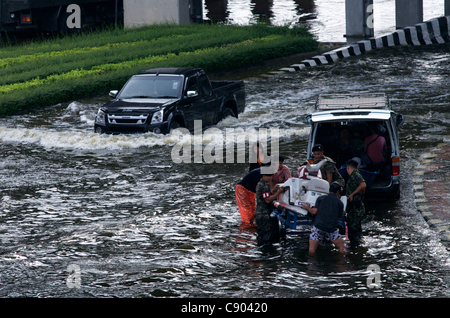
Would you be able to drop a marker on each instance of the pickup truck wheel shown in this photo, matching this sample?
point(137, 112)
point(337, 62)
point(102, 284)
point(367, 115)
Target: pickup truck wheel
point(174, 125)
point(99, 130)
point(228, 112)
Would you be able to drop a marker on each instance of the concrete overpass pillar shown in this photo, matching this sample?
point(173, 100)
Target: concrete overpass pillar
point(359, 18)
point(408, 12)
point(144, 12)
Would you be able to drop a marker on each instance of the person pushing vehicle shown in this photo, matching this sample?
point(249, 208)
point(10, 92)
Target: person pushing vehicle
point(328, 210)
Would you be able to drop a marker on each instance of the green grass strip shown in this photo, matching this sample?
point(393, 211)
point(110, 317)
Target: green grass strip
point(32, 58)
point(20, 69)
point(79, 73)
point(44, 77)
point(101, 69)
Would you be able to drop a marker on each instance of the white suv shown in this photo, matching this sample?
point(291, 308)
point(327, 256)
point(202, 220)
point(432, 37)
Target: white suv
point(361, 115)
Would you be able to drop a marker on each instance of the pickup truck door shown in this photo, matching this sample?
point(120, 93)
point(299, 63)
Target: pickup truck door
point(209, 100)
point(194, 106)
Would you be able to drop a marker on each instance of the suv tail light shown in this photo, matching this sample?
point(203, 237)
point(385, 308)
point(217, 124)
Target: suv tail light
point(395, 166)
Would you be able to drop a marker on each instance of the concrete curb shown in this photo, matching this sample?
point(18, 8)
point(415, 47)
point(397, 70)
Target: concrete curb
point(427, 164)
point(434, 31)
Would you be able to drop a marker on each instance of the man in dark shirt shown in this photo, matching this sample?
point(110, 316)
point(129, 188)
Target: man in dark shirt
point(328, 210)
point(245, 192)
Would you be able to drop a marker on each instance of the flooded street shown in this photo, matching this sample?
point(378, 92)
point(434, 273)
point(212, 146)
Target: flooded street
point(118, 215)
point(139, 225)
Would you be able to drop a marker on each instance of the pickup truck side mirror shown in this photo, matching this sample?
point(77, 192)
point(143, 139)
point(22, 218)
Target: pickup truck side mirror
point(113, 94)
point(191, 94)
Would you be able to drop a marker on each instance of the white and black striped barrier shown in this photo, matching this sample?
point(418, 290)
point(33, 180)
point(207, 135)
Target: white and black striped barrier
point(434, 31)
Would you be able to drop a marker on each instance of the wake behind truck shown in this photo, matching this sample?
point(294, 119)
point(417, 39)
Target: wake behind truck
point(54, 15)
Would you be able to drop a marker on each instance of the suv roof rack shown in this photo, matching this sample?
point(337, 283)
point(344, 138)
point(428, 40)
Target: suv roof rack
point(352, 101)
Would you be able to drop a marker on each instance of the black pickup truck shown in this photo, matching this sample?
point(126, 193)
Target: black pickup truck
point(161, 99)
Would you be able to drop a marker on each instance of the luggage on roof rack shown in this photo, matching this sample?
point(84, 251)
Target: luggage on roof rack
point(352, 101)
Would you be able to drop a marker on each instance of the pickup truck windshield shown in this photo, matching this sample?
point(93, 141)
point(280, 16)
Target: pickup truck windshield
point(152, 86)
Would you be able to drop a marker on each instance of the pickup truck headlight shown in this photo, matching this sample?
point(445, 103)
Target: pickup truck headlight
point(157, 117)
point(100, 118)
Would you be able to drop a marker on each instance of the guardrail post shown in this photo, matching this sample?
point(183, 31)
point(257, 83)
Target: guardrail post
point(359, 18)
point(408, 13)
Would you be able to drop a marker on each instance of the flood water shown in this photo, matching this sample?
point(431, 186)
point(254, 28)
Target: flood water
point(136, 224)
point(326, 18)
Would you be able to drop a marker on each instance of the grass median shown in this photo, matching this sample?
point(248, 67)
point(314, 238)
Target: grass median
point(43, 73)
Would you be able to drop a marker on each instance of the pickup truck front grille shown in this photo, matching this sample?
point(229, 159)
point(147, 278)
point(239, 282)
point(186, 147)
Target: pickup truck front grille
point(127, 119)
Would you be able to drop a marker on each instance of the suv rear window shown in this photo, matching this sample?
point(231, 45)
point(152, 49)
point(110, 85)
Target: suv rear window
point(328, 135)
